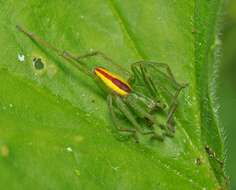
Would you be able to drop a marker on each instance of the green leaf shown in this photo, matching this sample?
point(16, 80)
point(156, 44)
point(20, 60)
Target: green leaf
point(55, 127)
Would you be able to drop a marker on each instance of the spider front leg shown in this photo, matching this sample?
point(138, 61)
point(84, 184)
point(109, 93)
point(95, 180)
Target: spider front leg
point(140, 70)
point(140, 73)
point(156, 65)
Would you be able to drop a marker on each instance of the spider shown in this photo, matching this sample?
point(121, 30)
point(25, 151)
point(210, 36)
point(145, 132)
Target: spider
point(150, 92)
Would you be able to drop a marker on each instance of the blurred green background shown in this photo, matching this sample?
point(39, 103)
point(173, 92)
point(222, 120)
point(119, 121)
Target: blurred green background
point(228, 88)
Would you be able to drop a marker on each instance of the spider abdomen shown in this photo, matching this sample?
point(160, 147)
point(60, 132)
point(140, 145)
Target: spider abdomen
point(114, 82)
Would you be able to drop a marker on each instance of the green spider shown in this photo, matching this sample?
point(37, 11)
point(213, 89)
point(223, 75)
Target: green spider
point(151, 91)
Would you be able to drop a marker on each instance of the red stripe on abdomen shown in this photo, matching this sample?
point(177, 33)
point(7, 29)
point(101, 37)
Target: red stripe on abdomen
point(115, 81)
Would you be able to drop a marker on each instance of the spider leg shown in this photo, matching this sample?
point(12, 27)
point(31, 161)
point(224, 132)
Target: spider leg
point(129, 115)
point(172, 110)
point(173, 105)
point(139, 70)
point(139, 110)
point(66, 55)
point(142, 113)
point(122, 106)
point(135, 68)
point(148, 80)
point(96, 54)
point(141, 65)
point(115, 120)
point(169, 72)
point(158, 66)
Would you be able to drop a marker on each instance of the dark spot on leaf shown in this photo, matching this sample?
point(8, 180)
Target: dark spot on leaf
point(38, 64)
point(213, 155)
point(198, 161)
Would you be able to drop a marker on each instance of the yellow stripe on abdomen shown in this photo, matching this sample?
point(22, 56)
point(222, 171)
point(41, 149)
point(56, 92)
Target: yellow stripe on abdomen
point(114, 82)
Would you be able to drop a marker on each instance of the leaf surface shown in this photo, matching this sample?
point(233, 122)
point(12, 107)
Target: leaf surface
point(55, 127)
